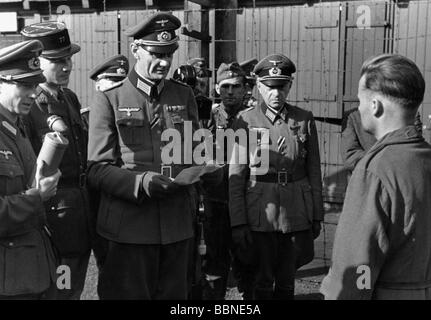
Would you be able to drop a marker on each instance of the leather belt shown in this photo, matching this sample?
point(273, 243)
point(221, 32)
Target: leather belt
point(171, 171)
point(280, 177)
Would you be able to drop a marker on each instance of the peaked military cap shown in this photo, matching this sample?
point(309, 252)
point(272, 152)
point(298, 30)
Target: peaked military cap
point(20, 62)
point(113, 67)
point(248, 66)
point(54, 37)
point(230, 73)
point(156, 33)
point(274, 70)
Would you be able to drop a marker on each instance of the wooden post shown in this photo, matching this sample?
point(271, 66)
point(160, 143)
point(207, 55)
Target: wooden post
point(192, 21)
point(205, 29)
point(225, 31)
point(196, 18)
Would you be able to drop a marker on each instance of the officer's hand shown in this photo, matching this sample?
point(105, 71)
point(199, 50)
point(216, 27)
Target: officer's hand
point(213, 178)
point(316, 227)
point(241, 236)
point(48, 185)
point(157, 185)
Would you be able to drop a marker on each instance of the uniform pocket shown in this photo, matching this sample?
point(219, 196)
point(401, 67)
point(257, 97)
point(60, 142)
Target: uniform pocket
point(11, 178)
point(308, 201)
point(25, 268)
point(132, 131)
point(253, 201)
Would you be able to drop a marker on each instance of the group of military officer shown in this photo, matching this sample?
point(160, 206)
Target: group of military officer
point(115, 194)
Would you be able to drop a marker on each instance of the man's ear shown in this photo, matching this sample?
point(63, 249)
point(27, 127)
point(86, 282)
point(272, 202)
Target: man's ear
point(217, 88)
point(377, 107)
point(134, 49)
point(3, 87)
point(258, 84)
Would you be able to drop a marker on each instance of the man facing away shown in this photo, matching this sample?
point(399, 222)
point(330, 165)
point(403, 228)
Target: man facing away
point(382, 247)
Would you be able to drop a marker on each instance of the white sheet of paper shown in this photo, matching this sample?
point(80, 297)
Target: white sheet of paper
point(192, 175)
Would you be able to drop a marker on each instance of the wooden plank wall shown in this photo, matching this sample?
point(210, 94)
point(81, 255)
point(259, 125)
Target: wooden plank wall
point(309, 35)
point(413, 39)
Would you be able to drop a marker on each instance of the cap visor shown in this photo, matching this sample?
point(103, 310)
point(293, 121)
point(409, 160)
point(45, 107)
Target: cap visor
point(274, 82)
point(39, 78)
point(162, 49)
point(61, 53)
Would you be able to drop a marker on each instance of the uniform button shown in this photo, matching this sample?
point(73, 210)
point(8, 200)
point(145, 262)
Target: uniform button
point(11, 244)
point(52, 208)
point(76, 138)
point(159, 132)
point(11, 173)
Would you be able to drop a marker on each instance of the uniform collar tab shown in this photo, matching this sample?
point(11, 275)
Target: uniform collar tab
point(150, 88)
point(273, 114)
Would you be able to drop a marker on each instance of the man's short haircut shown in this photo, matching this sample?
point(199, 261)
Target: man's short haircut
point(396, 77)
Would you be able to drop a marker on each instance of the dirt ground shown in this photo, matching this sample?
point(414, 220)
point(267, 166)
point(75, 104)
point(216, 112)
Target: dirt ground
point(308, 278)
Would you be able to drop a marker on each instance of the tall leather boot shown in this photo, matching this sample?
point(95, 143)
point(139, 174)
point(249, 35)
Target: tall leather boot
point(263, 293)
point(287, 293)
point(214, 290)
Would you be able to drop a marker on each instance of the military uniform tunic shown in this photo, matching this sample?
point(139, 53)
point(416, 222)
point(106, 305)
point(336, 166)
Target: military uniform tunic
point(126, 126)
point(263, 203)
point(27, 264)
point(68, 210)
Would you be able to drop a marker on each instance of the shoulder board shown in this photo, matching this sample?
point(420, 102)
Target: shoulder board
point(41, 95)
point(245, 110)
point(115, 85)
point(179, 82)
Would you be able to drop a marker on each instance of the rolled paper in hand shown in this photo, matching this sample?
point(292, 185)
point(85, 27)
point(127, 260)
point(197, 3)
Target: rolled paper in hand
point(51, 153)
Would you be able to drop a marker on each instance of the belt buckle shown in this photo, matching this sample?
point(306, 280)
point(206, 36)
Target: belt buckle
point(167, 171)
point(282, 177)
point(82, 180)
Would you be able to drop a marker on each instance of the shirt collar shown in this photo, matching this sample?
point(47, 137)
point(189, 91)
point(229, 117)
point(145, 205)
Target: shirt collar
point(226, 114)
point(54, 93)
point(273, 114)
